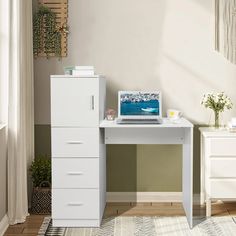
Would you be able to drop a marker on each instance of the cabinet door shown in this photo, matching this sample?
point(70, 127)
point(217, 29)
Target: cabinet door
point(74, 102)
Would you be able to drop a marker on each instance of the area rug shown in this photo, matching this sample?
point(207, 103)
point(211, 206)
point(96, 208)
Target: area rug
point(147, 226)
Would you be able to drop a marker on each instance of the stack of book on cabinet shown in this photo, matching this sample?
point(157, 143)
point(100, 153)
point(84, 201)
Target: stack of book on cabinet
point(81, 71)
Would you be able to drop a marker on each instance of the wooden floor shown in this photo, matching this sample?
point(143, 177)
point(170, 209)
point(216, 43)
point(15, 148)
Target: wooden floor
point(33, 222)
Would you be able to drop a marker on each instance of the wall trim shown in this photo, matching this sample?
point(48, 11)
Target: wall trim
point(4, 223)
point(144, 196)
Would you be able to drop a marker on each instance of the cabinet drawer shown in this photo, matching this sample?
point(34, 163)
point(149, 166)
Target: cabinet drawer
point(223, 167)
point(223, 188)
point(75, 142)
point(75, 172)
point(75, 204)
point(223, 147)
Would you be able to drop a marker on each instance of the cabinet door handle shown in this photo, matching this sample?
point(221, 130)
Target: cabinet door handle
point(92, 102)
point(75, 204)
point(74, 142)
point(75, 173)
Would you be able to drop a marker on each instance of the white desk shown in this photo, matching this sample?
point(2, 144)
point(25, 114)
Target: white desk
point(165, 133)
point(79, 153)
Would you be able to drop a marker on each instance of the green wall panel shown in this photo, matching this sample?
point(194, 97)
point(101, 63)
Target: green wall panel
point(121, 168)
point(42, 140)
point(159, 168)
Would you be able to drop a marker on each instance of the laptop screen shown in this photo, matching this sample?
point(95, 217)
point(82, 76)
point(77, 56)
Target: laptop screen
point(137, 104)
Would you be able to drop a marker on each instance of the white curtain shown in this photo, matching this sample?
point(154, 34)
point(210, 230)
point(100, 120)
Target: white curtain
point(20, 108)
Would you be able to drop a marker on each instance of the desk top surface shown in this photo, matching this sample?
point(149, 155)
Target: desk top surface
point(181, 123)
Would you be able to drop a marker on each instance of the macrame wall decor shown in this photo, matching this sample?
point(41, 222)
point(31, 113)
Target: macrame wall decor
point(50, 29)
point(225, 28)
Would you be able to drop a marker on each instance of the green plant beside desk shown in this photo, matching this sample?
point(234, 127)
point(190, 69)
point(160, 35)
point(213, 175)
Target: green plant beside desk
point(41, 177)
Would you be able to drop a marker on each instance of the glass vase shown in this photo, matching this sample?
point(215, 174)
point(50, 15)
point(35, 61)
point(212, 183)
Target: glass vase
point(217, 119)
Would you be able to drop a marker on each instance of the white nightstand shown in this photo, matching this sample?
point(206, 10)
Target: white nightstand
point(218, 166)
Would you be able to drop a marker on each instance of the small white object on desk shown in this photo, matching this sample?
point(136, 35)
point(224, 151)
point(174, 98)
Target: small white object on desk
point(233, 121)
point(231, 128)
point(174, 114)
point(232, 124)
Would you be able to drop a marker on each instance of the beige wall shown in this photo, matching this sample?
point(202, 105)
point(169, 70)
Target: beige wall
point(3, 173)
point(153, 44)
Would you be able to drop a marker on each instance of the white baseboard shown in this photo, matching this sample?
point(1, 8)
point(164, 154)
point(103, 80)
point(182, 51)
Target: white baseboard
point(4, 223)
point(144, 196)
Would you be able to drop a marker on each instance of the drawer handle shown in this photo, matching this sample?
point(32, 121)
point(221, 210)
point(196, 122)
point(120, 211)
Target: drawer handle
point(75, 204)
point(75, 142)
point(92, 102)
point(75, 173)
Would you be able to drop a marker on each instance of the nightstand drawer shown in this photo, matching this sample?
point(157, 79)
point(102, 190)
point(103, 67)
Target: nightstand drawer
point(223, 188)
point(223, 147)
point(75, 142)
point(223, 167)
point(75, 172)
point(75, 204)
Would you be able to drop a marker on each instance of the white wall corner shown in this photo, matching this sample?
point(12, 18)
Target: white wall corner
point(144, 196)
point(4, 223)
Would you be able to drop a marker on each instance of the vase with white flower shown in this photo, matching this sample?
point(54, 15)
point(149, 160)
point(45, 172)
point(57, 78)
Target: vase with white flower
point(217, 102)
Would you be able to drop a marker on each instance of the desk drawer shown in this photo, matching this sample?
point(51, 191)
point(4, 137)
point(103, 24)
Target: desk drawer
point(223, 188)
point(75, 142)
point(223, 147)
point(75, 204)
point(75, 172)
point(223, 167)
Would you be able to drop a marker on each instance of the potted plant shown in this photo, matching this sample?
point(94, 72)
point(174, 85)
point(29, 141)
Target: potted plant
point(47, 34)
point(217, 102)
point(41, 176)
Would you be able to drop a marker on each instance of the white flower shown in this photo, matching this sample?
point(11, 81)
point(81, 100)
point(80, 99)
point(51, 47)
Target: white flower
point(216, 98)
point(217, 101)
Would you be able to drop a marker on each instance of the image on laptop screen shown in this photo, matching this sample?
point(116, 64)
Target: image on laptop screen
point(141, 104)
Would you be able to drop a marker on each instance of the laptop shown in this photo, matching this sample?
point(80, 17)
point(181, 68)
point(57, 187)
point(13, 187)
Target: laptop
point(139, 107)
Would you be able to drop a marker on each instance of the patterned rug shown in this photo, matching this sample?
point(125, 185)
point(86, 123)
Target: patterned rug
point(147, 226)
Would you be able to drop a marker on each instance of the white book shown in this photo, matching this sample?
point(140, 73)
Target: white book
point(74, 76)
point(83, 72)
point(84, 68)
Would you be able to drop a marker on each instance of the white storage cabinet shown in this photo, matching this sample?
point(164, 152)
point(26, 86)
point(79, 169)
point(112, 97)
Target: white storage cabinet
point(78, 151)
point(218, 166)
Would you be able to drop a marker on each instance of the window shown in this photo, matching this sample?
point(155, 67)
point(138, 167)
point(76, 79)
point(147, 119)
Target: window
point(4, 58)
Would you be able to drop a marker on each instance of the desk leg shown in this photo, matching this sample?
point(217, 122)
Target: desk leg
point(187, 174)
point(202, 193)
